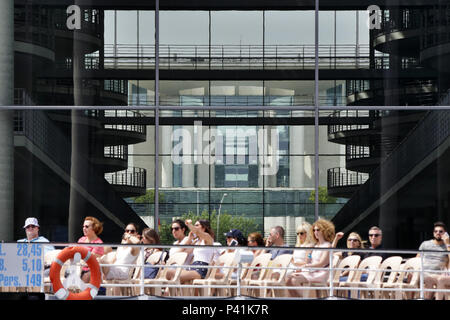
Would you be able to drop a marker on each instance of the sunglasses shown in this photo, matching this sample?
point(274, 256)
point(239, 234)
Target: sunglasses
point(352, 240)
point(175, 228)
point(130, 231)
point(300, 233)
point(86, 227)
point(316, 229)
point(251, 240)
point(376, 235)
point(30, 227)
point(438, 231)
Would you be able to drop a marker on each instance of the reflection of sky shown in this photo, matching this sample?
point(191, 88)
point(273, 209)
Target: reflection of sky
point(236, 27)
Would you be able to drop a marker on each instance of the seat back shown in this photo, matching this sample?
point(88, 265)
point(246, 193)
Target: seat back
point(225, 260)
point(391, 263)
point(371, 264)
point(179, 259)
point(336, 259)
point(260, 261)
point(154, 258)
point(412, 264)
point(282, 261)
point(350, 262)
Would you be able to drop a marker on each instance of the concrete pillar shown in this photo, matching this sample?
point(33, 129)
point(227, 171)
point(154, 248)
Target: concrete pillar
point(6, 121)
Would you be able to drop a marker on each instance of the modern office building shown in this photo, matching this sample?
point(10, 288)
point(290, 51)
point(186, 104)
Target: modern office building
point(243, 107)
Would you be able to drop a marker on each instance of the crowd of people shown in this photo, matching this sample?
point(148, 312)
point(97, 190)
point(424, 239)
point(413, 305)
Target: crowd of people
point(202, 253)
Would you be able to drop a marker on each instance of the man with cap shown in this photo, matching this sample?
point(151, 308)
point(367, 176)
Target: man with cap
point(32, 231)
point(236, 235)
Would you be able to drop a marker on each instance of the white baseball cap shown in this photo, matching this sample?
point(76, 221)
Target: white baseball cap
point(31, 221)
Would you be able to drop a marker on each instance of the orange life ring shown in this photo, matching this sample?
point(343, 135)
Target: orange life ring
point(55, 277)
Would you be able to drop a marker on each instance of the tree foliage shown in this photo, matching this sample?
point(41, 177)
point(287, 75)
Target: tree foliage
point(226, 223)
point(323, 196)
point(149, 197)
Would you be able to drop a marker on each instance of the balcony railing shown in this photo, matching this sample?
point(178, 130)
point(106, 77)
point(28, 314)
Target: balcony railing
point(223, 57)
point(141, 129)
point(340, 177)
point(365, 114)
point(116, 152)
point(132, 177)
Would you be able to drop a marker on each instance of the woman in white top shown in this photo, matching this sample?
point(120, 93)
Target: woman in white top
point(124, 255)
point(305, 239)
point(200, 235)
point(324, 232)
point(178, 230)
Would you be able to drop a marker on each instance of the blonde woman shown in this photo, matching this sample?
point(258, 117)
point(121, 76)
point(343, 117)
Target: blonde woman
point(354, 241)
point(305, 239)
point(324, 233)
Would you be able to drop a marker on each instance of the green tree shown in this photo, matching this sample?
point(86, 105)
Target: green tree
point(149, 197)
point(226, 222)
point(323, 196)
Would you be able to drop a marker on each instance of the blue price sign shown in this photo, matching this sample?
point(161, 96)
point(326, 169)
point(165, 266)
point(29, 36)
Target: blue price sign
point(21, 264)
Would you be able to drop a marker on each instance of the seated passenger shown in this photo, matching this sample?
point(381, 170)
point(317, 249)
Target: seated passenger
point(200, 235)
point(255, 239)
point(150, 237)
point(305, 240)
point(124, 255)
point(323, 235)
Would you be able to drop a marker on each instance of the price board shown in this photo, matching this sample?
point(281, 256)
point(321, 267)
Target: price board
point(21, 264)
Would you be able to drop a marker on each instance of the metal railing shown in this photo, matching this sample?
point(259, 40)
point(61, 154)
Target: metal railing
point(108, 114)
point(340, 177)
point(222, 57)
point(134, 177)
point(240, 100)
point(353, 152)
point(116, 152)
point(328, 285)
point(363, 114)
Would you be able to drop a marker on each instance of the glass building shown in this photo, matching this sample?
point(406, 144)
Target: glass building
point(276, 111)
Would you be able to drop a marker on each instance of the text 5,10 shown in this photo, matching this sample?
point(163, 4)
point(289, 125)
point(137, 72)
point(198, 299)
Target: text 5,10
point(31, 265)
point(28, 250)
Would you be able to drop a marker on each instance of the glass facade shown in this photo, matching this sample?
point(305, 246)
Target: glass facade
point(221, 107)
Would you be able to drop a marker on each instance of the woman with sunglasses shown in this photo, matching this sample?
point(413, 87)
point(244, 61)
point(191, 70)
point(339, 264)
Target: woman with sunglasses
point(304, 239)
point(354, 241)
point(324, 233)
point(92, 227)
point(178, 230)
point(124, 255)
point(201, 235)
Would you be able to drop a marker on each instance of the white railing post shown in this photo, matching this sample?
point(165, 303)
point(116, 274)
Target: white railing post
point(421, 278)
point(330, 266)
point(239, 272)
point(141, 280)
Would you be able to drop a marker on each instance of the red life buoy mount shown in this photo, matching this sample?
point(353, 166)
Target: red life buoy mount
point(76, 253)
